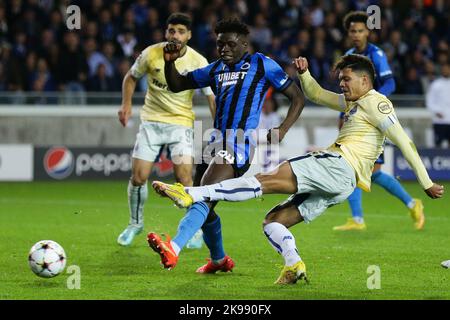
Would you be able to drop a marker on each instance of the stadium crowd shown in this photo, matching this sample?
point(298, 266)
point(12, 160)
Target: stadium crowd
point(39, 53)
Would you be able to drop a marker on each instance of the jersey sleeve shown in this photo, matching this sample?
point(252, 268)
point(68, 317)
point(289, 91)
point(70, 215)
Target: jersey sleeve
point(140, 66)
point(204, 63)
point(200, 77)
point(382, 68)
point(380, 113)
point(314, 92)
point(277, 77)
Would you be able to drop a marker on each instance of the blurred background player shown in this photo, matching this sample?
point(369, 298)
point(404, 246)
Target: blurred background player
point(240, 81)
point(167, 118)
point(438, 102)
point(355, 23)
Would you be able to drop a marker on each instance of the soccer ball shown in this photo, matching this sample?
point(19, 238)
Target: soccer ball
point(47, 259)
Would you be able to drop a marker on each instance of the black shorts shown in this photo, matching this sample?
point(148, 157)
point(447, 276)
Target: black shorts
point(240, 161)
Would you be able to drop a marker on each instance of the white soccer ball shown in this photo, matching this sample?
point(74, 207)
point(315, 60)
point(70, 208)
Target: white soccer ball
point(47, 259)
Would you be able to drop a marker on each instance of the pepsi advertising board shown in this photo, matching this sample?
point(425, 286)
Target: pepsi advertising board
point(436, 161)
point(62, 163)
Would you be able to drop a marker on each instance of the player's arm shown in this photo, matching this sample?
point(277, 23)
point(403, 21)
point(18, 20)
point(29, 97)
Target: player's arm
point(314, 92)
point(175, 80)
point(128, 88)
point(387, 86)
point(295, 96)
point(394, 131)
point(212, 104)
point(384, 73)
point(281, 82)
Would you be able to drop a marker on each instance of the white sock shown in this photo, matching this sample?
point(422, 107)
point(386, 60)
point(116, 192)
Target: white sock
point(283, 242)
point(175, 247)
point(137, 195)
point(238, 189)
point(411, 204)
point(358, 220)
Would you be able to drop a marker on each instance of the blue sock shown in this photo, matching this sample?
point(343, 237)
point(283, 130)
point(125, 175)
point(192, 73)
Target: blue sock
point(212, 235)
point(355, 201)
point(192, 221)
point(392, 186)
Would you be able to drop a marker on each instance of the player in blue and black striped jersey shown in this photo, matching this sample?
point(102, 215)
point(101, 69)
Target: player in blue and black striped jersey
point(356, 25)
point(240, 81)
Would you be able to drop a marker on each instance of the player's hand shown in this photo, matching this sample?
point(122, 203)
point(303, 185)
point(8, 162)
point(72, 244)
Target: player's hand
point(124, 114)
point(301, 64)
point(172, 51)
point(275, 134)
point(435, 192)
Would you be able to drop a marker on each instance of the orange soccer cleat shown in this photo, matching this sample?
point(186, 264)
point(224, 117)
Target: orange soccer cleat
point(169, 258)
point(226, 265)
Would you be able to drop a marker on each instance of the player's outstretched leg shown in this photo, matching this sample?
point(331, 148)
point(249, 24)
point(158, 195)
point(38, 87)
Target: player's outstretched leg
point(393, 186)
point(357, 220)
point(137, 195)
point(238, 189)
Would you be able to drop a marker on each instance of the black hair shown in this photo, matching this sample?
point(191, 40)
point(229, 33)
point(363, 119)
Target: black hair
point(358, 63)
point(180, 18)
point(231, 25)
point(355, 16)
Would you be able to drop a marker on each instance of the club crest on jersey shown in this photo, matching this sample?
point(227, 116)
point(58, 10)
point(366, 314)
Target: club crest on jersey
point(351, 112)
point(384, 107)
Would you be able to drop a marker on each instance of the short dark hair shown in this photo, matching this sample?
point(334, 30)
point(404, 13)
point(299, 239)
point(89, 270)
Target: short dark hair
point(180, 18)
point(358, 63)
point(355, 16)
point(231, 25)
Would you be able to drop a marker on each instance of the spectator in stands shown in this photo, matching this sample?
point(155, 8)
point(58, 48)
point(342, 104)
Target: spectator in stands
point(39, 26)
point(412, 83)
point(438, 102)
point(127, 42)
point(122, 68)
point(101, 82)
point(261, 35)
point(95, 58)
point(4, 29)
point(73, 68)
point(107, 30)
point(41, 80)
point(428, 76)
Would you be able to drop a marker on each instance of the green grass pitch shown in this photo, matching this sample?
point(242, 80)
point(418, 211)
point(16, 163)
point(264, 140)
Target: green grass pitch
point(86, 218)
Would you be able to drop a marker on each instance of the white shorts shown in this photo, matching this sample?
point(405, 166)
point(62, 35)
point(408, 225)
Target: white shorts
point(324, 179)
point(153, 136)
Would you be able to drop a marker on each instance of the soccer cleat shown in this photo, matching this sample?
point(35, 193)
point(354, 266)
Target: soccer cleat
point(175, 192)
point(351, 225)
point(417, 214)
point(168, 256)
point(226, 265)
point(291, 274)
point(446, 264)
point(127, 236)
